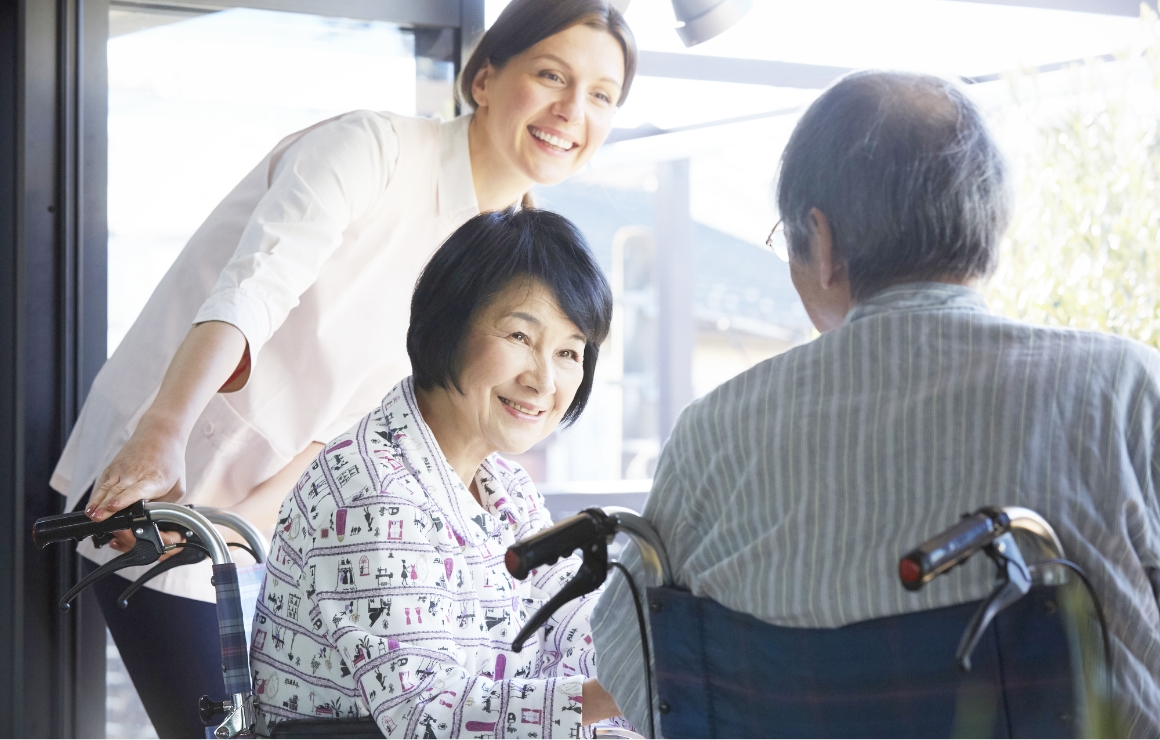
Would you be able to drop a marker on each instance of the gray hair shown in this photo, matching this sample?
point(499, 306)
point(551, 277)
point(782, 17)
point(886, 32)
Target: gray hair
point(908, 176)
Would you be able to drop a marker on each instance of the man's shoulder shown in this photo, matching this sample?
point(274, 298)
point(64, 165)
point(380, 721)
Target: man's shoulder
point(1103, 352)
point(1065, 344)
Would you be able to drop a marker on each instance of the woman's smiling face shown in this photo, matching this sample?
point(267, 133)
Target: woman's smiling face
point(523, 361)
point(548, 110)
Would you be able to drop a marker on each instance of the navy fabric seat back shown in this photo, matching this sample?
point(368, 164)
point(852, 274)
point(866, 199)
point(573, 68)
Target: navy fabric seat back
point(720, 673)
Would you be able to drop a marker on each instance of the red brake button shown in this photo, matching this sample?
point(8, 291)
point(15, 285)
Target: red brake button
point(909, 571)
point(512, 561)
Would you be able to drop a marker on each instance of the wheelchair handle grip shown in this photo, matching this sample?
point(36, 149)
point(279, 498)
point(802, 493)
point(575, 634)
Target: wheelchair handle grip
point(952, 547)
point(558, 541)
point(77, 526)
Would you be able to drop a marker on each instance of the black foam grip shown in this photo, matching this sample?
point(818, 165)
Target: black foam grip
point(77, 526)
point(950, 547)
point(553, 543)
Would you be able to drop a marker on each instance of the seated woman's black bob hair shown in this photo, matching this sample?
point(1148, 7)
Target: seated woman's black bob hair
point(482, 258)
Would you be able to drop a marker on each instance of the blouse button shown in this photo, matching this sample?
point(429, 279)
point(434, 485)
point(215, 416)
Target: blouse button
point(208, 428)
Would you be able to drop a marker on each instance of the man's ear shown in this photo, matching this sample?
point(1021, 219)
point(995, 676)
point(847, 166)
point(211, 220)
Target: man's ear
point(831, 267)
point(479, 85)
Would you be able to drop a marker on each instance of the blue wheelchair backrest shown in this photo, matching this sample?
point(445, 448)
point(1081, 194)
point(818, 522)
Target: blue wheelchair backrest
point(721, 673)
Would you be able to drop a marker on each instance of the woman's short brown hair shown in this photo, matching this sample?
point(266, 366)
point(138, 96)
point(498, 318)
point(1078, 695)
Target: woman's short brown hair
point(525, 23)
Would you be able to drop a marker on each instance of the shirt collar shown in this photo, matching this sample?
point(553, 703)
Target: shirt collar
point(922, 296)
point(425, 460)
point(455, 186)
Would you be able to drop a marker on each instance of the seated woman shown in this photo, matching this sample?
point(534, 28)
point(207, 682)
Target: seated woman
point(386, 592)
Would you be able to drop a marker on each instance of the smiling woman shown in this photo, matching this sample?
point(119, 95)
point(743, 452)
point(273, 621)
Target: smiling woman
point(529, 257)
point(505, 324)
point(544, 82)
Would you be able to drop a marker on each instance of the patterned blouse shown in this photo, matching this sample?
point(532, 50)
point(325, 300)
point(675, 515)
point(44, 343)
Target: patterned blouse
point(386, 594)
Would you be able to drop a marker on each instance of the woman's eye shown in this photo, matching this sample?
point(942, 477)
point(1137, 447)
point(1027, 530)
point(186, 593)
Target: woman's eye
point(551, 76)
point(570, 354)
point(604, 97)
point(519, 336)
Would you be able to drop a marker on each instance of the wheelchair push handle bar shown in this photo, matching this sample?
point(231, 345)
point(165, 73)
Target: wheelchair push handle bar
point(951, 547)
point(579, 531)
point(77, 526)
point(558, 541)
point(143, 518)
point(973, 533)
point(590, 532)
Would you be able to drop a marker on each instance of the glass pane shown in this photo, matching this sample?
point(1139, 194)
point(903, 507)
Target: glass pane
point(196, 100)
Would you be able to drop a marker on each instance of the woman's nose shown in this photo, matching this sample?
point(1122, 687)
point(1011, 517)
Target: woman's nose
point(570, 106)
point(541, 376)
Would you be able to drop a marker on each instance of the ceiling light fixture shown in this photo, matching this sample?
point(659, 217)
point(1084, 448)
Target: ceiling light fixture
point(700, 20)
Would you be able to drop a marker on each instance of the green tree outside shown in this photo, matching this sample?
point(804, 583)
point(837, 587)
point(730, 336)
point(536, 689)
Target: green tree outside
point(1083, 248)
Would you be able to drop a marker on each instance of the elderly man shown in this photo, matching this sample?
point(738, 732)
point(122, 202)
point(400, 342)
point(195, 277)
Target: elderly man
point(790, 491)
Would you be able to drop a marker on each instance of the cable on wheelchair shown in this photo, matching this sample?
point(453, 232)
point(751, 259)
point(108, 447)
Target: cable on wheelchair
point(652, 722)
point(190, 545)
point(247, 548)
point(1099, 607)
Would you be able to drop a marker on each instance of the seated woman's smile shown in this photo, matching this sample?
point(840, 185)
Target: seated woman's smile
point(386, 593)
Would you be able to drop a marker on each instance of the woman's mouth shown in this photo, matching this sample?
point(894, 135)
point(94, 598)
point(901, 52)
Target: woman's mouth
point(520, 411)
point(555, 142)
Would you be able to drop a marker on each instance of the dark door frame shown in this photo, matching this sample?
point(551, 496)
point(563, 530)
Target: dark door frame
point(53, 298)
point(52, 342)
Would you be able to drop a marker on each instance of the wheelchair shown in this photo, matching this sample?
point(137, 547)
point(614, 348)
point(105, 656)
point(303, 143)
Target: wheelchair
point(1027, 661)
point(1020, 654)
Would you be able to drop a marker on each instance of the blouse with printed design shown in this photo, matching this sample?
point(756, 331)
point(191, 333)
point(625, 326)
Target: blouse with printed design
point(386, 594)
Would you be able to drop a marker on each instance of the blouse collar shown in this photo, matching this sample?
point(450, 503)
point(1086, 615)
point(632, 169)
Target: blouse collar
point(456, 187)
point(470, 522)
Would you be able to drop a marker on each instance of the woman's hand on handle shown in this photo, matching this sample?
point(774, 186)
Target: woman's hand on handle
point(149, 466)
point(152, 462)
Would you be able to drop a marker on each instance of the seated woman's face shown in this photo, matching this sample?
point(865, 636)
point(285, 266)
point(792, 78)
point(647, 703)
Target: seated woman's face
point(523, 360)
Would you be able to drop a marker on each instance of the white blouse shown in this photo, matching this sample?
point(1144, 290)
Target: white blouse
point(313, 256)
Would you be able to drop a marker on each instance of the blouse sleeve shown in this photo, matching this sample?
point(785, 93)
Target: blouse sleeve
point(325, 181)
point(404, 658)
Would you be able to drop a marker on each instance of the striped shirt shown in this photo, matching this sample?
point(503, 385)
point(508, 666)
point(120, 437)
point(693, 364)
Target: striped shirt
point(791, 491)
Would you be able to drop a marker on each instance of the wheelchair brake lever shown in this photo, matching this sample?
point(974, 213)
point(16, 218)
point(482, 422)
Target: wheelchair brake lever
point(192, 552)
point(589, 576)
point(1014, 582)
point(148, 548)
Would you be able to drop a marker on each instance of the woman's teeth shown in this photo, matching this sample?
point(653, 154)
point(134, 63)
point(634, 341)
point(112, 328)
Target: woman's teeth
point(520, 408)
point(556, 141)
